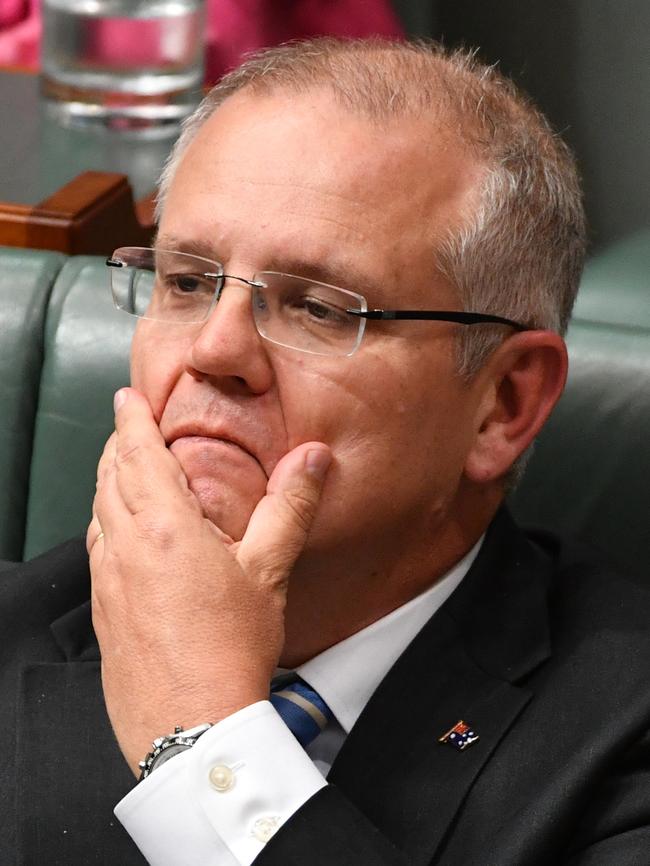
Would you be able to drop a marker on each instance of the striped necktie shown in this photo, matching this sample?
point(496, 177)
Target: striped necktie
point(302, 709)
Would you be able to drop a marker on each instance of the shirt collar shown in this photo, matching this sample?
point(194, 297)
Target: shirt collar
point(346, 674)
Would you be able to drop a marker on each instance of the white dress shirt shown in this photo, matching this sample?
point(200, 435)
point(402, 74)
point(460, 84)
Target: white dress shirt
point(219, 802)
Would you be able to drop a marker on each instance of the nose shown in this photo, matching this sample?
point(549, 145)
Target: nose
point(228, 345)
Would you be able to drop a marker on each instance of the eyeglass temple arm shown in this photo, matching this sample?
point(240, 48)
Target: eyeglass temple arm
point(255, 284)
point(461, 318)
point(439, 316)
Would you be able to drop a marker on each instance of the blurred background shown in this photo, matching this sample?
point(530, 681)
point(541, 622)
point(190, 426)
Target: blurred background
point(585, 62)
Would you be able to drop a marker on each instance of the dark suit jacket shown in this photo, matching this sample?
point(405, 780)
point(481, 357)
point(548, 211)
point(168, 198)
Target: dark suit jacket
point(546, 655)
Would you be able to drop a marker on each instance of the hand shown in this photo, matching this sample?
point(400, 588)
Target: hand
point(189, 622)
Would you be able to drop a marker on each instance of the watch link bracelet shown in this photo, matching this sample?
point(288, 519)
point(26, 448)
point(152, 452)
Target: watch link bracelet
point(164, 748)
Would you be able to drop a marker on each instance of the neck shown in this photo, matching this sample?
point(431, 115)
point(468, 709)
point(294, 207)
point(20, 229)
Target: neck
point(335, 594)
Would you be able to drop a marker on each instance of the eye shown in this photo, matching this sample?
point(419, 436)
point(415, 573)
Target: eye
point(185, 284)
point(317, 309)
point(181, 285)
point(323, 311)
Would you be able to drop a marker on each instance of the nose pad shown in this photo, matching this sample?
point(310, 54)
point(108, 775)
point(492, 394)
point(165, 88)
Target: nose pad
point(231, 311)
point(219, 286)
point(260, 309)
point(254, 286)
point(228, 344)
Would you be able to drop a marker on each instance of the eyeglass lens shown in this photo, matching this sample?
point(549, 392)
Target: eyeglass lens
point(165, 287)
point(307, 315)
point(291, 311)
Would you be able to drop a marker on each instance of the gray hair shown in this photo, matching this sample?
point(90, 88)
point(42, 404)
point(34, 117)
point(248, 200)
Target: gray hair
point(519, 254)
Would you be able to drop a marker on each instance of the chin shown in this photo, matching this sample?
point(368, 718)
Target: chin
point(227, 482)
point(228, 509)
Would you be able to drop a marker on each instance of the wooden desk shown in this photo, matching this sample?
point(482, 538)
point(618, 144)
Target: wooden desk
point(72, 190)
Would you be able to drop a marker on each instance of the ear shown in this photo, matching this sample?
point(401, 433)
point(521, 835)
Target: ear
point(520, 384)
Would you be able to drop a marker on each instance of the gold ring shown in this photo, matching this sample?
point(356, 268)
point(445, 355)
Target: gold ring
point(101, 535)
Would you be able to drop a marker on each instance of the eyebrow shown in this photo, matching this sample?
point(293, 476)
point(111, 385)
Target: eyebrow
point(177, 245)
point(342, 276)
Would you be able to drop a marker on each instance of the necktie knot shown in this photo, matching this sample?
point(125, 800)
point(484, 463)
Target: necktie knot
point(301, 708)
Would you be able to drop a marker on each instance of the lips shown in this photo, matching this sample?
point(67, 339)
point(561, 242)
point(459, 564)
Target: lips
point(217, 435)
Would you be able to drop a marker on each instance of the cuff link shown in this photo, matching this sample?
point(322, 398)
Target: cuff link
point(264, 828)
point(222, 778)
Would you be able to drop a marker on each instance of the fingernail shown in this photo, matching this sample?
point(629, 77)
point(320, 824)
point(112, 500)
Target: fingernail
point(119, 399)
point(317, 462)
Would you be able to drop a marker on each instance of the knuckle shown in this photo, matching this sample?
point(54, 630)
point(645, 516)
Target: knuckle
point(159, 529)
point(129, 451)
point(301, 505)
point(270, 568)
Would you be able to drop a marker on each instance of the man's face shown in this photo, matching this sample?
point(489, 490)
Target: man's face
point(297, 184)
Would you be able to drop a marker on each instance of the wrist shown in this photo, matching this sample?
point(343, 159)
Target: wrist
point(166, 747)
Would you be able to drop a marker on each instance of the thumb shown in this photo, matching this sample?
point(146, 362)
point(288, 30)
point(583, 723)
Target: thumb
point(278, 528)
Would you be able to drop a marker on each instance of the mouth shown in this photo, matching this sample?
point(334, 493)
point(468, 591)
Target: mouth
point(198, 436)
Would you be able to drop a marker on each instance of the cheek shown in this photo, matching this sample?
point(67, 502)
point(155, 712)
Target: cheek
point(368, 421)
point(350, 399)
point(320, 401)
point(155, 368)
point(397, 444)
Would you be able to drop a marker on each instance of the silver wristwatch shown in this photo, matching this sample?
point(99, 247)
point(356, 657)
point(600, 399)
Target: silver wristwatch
point(164, 748)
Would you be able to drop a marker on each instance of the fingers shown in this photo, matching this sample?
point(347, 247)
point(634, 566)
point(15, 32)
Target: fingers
point(107, 459)
point(94, 532)
point(138, 476)
point(109, 510)
point(146, 470)
point(133, 418)
point(136, 473)
point(280, 524)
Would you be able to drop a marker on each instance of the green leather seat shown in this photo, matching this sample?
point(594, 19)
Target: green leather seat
point(588, 475)
point(86, 359)
point(26, 279)
point(615, 287)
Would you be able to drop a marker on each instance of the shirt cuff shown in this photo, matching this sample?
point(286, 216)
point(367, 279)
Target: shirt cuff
point(225, 797)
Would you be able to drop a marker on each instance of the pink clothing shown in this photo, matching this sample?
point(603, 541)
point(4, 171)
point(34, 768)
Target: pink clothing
point(13, 11)
point(234, 27)
point(238, 26)
point(20, 32)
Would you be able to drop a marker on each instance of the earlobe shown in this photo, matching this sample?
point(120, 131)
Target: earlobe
point(523, 381)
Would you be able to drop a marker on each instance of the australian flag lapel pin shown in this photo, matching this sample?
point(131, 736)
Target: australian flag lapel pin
point(460, 736)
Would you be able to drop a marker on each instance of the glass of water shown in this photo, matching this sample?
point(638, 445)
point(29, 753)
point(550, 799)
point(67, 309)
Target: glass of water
point(126, 64)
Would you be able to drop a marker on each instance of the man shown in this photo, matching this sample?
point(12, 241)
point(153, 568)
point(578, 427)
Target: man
point(297, 481)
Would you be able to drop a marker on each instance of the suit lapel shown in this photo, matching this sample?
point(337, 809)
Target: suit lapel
point(68, 759)
point(464, 664)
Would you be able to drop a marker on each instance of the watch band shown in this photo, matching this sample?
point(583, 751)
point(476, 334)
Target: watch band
point(164, 748)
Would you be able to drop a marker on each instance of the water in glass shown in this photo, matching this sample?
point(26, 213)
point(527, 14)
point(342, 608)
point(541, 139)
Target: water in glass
point(123, 63)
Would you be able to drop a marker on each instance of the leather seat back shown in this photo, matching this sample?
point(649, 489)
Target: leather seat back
point(26, 280)
point(86, 359)
point(588, 475)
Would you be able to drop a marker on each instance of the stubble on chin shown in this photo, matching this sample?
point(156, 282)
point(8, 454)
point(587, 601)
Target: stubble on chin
point(227, 483)
point(226, 503)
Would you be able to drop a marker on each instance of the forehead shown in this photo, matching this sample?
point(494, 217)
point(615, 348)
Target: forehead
point(272, 181)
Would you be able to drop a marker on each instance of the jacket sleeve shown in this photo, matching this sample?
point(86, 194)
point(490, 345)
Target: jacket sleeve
point(328, 829)
point(615, 828)
point(612, 827)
